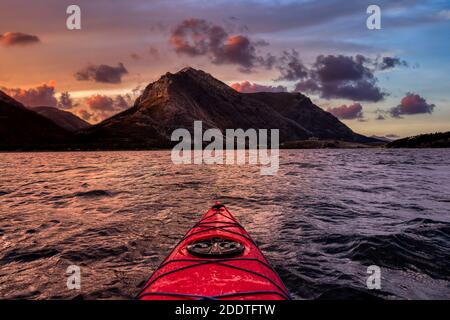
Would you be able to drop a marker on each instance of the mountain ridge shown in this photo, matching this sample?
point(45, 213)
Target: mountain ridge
point(176, 100)
point(64, 119)
point(21, 128)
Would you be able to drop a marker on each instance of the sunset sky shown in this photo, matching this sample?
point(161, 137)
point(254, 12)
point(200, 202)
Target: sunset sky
point(391, 82)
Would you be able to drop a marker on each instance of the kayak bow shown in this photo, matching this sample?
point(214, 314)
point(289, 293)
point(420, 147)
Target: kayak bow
point(215, 260)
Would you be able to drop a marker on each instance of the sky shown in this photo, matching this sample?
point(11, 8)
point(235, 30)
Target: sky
point(392, 82)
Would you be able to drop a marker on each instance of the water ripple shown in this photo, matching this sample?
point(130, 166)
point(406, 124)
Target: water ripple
point(321, 221)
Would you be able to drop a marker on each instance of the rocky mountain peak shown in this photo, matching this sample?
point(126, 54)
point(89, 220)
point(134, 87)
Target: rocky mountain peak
point(186, 81)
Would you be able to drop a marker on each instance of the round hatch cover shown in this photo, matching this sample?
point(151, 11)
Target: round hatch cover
point(215, 248)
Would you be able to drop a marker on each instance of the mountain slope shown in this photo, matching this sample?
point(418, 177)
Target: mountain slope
point(299, 108)
point(64, 119)
point(177, 100)
point(21, 128)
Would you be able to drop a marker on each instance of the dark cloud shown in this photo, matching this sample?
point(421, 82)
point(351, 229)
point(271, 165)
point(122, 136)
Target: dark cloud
point(291, 67)
point(195, 37)
point(18, 39)
point(308, 85)
point(102, 73)
point(353, 111)
point(122, 102)
point(339, 76)
point(341, 68)
point(392, 136)
point(198, 37)
point(411, 104)
point(236, 50)
point(381, 114)
point(361, 90)
point(248, 87)
point(135, 56)
point(42, 95)
point(390, 63)
point(66, 101)
point(152, 52)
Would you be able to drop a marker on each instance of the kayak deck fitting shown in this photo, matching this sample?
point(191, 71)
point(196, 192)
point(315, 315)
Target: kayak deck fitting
point(216, 260)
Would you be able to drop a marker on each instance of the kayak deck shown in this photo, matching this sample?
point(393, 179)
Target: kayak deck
point(217, 260)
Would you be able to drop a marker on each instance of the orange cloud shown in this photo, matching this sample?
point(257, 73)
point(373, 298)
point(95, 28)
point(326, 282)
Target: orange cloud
point(248, 87)
point(41, 95)
point(99, 107)
point(412, 104)
point(353, 111)
point(9, 39)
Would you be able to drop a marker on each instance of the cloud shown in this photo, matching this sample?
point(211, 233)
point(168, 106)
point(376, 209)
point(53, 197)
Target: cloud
point(154, 52)
point(390, 63)
point(99, 107)
point(122, 102)
point(248, 87)
point(198, 37)
point(66, 101)
point(392, 136)
point(42, 95)
point(411, 104)
point(236, 50)
point(102, 73)
point(381, 114)
point(9, 39)
point(100, 103)
point(135, 56)
point(350, 112)
point(341, 68)
point(84, 114)
point(339, 76)
point(308, 85)
point(291, 67)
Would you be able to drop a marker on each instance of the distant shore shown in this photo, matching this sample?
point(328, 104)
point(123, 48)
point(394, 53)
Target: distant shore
point(434, 140)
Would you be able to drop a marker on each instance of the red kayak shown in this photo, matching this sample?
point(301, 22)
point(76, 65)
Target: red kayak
point(215, 260)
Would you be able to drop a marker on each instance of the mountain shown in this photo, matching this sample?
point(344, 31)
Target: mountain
point(317, 122)
point(177, 100)
point(381, 138)
point(21, 128)
point(432, 140)
point(64, 119)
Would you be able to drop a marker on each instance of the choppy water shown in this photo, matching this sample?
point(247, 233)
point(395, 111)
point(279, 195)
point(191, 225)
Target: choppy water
point(321, 221)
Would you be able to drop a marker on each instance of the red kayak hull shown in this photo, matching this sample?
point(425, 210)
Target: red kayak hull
point(245, 276)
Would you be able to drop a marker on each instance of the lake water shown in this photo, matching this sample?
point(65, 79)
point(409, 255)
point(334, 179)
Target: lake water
point(321, 221)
